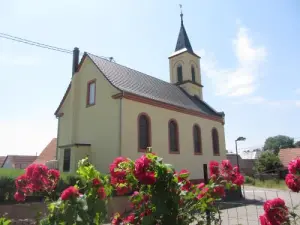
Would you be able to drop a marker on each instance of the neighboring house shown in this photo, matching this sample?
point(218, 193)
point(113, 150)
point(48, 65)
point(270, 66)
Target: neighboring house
point(2, 158)
point(251, 154)
point(110, 110)
point(288, 154)
point(48, 154)
point(246, 165)
point(18, 161)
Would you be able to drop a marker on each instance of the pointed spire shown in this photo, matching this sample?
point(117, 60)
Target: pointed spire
point(183, 39)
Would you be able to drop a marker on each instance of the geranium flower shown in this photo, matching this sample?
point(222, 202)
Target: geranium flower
point(69, 193)
point(214, 168)
point(293, 182)
point(276, 211)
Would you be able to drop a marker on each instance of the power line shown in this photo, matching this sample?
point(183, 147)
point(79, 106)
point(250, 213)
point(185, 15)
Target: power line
point(41, 45)
point(34, 43)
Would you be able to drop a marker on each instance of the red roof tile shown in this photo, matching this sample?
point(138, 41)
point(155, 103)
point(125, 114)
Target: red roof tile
point(288, 154)
point(49, 153)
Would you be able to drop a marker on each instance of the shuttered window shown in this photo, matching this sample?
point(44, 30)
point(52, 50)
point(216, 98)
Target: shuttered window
point(67, 160)
point(215, 142)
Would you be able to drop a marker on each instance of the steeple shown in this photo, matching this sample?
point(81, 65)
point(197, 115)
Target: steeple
point(183, 39)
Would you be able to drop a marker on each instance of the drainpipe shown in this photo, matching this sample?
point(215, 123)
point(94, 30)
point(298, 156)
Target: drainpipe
point(121, 122)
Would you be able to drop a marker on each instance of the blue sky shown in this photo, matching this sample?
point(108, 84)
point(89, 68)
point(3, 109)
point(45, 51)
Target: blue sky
point(250, 60)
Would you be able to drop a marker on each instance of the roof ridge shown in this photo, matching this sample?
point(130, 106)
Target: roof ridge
point(130, 68)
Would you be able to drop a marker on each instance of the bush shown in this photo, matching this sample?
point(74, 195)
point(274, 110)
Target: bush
point(249, 180)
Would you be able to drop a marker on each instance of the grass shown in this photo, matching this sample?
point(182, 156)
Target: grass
point(10, 172)
point(275, 184)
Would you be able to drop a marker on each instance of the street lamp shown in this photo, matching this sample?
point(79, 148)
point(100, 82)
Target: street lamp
point(236, 150)
point(237, 158)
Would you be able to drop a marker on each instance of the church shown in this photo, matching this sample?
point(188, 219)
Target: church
point(110, 110)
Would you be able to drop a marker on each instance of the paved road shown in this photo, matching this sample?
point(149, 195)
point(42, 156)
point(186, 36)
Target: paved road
point(247, 212)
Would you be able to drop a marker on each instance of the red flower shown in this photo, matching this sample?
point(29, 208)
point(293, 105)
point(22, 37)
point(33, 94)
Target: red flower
point(116, 219)
point(147, 178)
point(201, 185)
point(187, 186)
point(219, 191)
point(96, 182)
point(101, 193)
point(114, 169)
point(238, 179)
point(22, 183)
point(275, 211)
point(214, 168)
point(142, 171)
point(129, 219)
point(122, 190)
point(69, 193)
point(19, 196)
point(203, 192)
point(294, 166)
point(183, 175)
point(264, 220)
point(226, 165)
point(293, 182)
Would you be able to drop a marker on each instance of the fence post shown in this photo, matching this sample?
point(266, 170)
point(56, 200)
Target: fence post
point(205, 173)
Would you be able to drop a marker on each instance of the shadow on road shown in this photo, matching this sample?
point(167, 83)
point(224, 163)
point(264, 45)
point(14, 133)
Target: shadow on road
point(244, 202)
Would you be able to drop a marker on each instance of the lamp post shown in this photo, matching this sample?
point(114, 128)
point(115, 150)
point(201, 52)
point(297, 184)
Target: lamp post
point(236, 150)
point(237, 157)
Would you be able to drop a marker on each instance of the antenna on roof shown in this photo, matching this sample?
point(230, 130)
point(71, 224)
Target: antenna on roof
point(111, 59)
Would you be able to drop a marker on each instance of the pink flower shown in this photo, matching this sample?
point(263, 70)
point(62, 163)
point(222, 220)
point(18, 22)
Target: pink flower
point(19, 196)
point(219, 191)
point(276, 211)
point(238, 179)
point(142, 171)
point(294, 166)
point(129, 219)
point(293, 182)
point(69, 193)
point(264, 220)
point(201, 185)
point(214, 168)
point(226, 165)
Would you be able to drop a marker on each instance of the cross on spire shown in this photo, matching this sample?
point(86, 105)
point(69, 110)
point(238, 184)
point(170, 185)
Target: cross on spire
point(181, 14)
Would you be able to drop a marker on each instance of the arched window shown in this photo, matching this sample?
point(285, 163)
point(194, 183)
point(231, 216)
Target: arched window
point(179, 73)
point(197, 139)
point(173, 137)
point(144, 132)
point(215, 141)
point(193, 74)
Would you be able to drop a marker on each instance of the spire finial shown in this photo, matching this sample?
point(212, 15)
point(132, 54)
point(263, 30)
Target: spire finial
point(181, 14)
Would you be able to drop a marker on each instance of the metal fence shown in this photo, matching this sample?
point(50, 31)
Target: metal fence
point(248, 210)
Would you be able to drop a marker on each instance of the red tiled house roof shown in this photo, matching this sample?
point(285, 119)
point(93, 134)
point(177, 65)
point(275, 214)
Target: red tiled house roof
point(2, 159)
point(288, 154)
point(20, 161)
point(49, 153)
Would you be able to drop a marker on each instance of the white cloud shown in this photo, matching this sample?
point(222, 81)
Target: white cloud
point(298, 103)
point(297, 91)
point(242, 80)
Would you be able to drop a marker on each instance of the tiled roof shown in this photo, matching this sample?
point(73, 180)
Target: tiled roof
point(2, 158)
point(137, 83)
point(21, 161)
point(49, 153)
point(183, 40)
point(288, 154)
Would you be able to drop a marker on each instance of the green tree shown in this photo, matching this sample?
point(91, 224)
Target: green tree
point(277, 142)
point(297, 144)
point(267, 162)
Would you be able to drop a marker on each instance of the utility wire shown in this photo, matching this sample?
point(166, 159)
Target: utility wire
point(37, 44)
point(41, 45)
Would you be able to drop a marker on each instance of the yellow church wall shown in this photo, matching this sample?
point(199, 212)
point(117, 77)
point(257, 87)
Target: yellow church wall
point(97, 125)
point(186, 60)
point(160, 141)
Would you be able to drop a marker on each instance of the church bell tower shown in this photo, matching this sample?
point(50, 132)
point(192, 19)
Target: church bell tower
point(185, 65)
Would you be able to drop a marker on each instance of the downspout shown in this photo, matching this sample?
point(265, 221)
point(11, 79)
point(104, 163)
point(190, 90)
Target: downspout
point(121, 123)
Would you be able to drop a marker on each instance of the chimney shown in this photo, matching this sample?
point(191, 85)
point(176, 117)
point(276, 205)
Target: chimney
point(75, 60)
